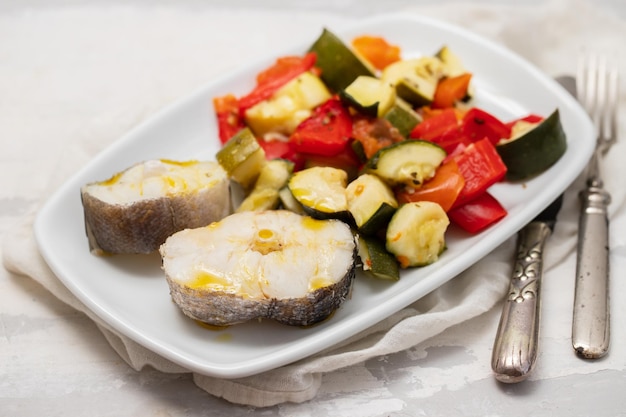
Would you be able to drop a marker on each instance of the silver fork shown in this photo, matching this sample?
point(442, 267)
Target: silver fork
point(597, 87)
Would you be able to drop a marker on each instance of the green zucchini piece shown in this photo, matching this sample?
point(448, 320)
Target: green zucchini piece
point(322, 192)
point(376, 260)
point(415, 79)
point(402, 116)
point(242, 158)
point(288, 106)
point(369, 95)
point(371, 203)
point(534, 150)
point(338, 63)
point(288, 201)
point(416, 233)
point(410, 162)
point(452, 64)
point(264, 196)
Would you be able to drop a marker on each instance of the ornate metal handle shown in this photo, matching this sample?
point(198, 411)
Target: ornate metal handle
point(515, 347)
point(590, 326)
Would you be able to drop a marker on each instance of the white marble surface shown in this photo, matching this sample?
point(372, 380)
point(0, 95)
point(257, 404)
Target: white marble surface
point(55, 362)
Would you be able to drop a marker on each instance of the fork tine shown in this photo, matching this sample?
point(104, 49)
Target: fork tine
point(598, 92)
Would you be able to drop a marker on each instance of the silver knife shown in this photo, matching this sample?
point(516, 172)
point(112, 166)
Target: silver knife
point(516, 344)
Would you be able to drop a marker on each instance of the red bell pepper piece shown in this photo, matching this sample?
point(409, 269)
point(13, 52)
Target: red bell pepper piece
point(478, 214)
point(442, 128)
point(477, 124)
point(273, 78)
point(229, 120)
point(278, 149)
point(450, 90)
point(443, 188)
point(481, 167)
point(326, 132)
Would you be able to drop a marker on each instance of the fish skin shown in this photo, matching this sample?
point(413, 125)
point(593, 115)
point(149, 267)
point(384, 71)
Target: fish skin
point(224, 309)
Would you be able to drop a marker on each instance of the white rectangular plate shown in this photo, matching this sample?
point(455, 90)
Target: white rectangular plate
point(130, 292)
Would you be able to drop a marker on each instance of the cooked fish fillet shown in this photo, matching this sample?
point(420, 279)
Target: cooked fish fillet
point(277, 265)
point(137, 209)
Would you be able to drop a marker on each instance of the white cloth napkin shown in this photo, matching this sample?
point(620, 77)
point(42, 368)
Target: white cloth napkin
point(559, 29)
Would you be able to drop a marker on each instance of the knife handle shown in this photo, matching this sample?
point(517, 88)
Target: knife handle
point(590, 324)
point(515, 347)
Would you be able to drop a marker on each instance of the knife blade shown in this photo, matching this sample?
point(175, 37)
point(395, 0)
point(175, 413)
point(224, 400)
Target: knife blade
point(516, 344)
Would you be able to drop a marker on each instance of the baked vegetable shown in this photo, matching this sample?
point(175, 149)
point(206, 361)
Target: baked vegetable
point(410, 162)
point(416, 233)
point(287, 107)
point(415, 80)
point(534, 149)
point(371, 203)
point(376, 260)
point(264, 196)
point(321, 191)
point(338, 63)
point(369, 95)
point(242, 158)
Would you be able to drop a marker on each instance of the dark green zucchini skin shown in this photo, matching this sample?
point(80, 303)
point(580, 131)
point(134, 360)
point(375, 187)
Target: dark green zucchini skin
point(339, 65)
point(535, 151)
point(380, 263)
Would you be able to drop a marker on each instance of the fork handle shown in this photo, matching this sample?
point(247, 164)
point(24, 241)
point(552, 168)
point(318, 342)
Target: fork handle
point(516, 344)
point(590, 325)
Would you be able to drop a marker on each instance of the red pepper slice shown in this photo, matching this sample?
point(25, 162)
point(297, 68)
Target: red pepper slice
point(278, 149)
point(477, 124)
point(481, 167)
point(270, 80)
point(450, 90)
point(229, 121)
point(443, 188)
point(326, 132)
point(478, 214)
point(442, 128)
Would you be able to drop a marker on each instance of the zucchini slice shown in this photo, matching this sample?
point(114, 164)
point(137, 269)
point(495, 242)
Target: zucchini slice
point(288, 106)
point(288, 201)
point(322, 192)
point(410, 162)
point(371, 203)
point(534, 149)
point(338, 63)
point(415, 80)
point(264, 196)
point(242, 158)
point(452, 65)
point(375, 259)
point(416, 233)
point(402, 116)
point(369, 95)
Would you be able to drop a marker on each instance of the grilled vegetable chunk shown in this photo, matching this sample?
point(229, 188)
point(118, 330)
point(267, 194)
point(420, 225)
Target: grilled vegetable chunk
point(322, 192)
point(410, 162)
point(371, 203)
point(416, 233)
point(276, 265)
point(137, 209)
